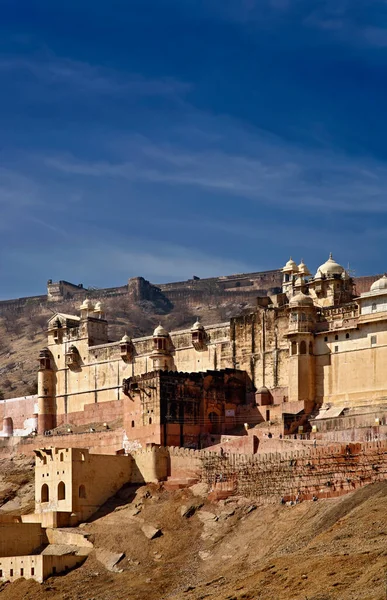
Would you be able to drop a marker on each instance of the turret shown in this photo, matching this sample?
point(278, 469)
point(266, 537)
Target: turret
point(93, 323)
point(46, 393)
point(198, 335)
point(302, 319)
point(126, 348)
point(289, 271)
point(161, 354)
point(331, 285)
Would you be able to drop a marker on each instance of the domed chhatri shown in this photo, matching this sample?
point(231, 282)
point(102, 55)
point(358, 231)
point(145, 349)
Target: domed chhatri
point(303, 269)
point(160, 331)
point(98, 307)
point(86, 304)
point(300, 300)
point(329, 268)
point(379, 284)
point(290, 267)
point(126, 339)
point(197, 326)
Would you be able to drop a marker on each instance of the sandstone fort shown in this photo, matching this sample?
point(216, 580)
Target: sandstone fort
point(295, 388)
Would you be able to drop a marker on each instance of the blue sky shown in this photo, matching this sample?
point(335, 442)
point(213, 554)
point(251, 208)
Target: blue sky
point(171, 138)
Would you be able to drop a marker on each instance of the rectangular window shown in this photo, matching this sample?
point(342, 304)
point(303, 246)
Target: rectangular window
point(373, 340)
point(1, 572)
point(336, 348)
point(11, 572)
point(32, 571)
point(21, 572)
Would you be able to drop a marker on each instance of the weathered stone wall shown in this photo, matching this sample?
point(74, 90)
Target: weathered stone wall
point(321, 472)
point(98, 442)
point(19, 410)
point(318, 472)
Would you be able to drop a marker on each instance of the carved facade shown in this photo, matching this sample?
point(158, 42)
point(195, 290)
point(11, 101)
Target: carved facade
point(314, 343)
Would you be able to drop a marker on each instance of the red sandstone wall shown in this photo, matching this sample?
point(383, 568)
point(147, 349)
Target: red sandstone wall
point(102, 412)
point(19, 409)
point(322, 472)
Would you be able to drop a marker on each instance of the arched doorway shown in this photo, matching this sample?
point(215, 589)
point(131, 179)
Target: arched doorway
point(215, 421)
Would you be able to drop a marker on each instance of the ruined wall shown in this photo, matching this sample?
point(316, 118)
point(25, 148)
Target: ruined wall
point(17, 539)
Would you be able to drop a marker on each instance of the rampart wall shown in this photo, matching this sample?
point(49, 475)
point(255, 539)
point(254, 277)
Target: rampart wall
point(98, 442)
point(323, 472)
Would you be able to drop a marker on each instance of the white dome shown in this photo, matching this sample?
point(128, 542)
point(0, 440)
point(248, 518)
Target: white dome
point(160, 331)
point(197, 326)
point(301, 299)
point(290, 266)
point(98, 307)
point(86, 304)
point(303, 269)
point(126, 339)
point(330, 268)
point(380, 284)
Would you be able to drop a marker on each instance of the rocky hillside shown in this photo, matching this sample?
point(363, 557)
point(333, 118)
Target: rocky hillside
point(232, 550)
point(23, 332)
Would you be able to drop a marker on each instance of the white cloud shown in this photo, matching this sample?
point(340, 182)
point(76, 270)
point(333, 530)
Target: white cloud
point(278, 174)
point(96, 262)
point(82, 77)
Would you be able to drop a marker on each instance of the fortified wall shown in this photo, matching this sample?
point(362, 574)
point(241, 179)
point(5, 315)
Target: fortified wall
point(242, 288)
point(323, 472)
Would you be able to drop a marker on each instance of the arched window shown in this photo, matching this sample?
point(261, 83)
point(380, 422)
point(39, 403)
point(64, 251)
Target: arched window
point(82, 456)
point(132, 423)
point(374, 307)
point(303, 347)
point(61, 491)
point(82, 491)
point(45, 493)
point(61, 457)
point(294, 347)
point(150, 420)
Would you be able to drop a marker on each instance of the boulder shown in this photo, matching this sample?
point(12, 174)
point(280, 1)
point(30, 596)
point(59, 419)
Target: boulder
point(109, 559)
point(151, 532)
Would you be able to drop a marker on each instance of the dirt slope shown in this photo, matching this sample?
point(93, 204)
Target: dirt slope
point(326, 550)
point(17, 488)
